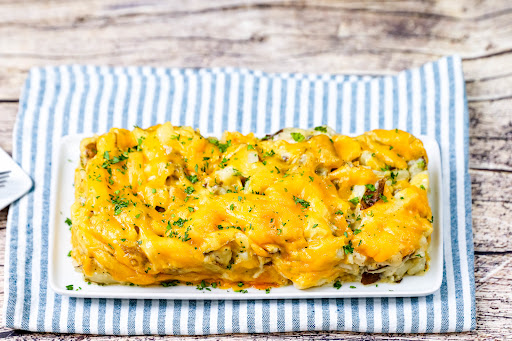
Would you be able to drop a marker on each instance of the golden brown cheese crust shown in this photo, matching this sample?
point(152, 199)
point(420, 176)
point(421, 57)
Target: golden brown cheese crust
point(306, 207)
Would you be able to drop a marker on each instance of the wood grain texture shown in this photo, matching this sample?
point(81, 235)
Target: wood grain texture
point(366, 37)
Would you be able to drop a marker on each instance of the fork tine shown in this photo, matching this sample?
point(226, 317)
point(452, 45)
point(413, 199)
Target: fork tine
point(5, 172)
point(4, 177)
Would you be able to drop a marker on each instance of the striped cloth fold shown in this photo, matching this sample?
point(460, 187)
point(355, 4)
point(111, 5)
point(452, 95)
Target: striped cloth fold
point(64, 100)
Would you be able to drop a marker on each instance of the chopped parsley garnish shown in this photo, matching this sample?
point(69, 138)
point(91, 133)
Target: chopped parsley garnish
point(190, 209)
point(139, 143)
point(393, 177)
point(119, 203)
point(384, 198)
point(390, 147)
point(303, 202)
point(269, 154)
point(267, 291)
point(224, 146)
point(311, 178)
point(337, 285)
point(357, 231)
point(172, 283)
point(315, 225)
point(69, 287)
point(250, 146)
point(179, 222)
point(69, 254)
point(203, 285)
point(339, 212)
point(297, 137)
point(153, 190)
point(370, 187)
point(232, 207)
point(321, 129)
point(348, 248)
point(68, 221)
point(189, 190)
point(422, 187)
point(354, 200)
point(352, 287)
point(192, 178)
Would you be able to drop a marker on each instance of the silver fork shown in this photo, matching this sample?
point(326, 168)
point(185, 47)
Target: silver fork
point(3, 178)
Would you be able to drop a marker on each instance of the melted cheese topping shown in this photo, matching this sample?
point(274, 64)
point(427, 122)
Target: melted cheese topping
point(166, 204)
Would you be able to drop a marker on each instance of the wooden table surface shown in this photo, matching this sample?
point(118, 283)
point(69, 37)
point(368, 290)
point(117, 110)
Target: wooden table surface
point(366, 37)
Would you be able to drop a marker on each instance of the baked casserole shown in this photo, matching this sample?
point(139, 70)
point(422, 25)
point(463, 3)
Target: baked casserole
point(304, 207)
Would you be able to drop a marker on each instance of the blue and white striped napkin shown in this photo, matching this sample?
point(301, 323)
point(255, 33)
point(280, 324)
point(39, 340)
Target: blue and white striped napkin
point(64, 100)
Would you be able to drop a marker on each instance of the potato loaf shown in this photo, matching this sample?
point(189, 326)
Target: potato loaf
point(165, 205)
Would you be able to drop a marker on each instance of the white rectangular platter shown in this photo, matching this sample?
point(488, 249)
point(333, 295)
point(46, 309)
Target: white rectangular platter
point(62, 272)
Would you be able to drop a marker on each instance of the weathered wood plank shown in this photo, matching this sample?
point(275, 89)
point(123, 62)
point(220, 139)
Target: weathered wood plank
point(492, 226)
point(490, 119)
point(3, 218)
point(281, 36)
point(491, 187)
point(493, 153)
point(8, 113)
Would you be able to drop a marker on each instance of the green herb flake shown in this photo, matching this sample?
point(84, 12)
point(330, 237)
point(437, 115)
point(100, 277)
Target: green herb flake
point(68, 221)
point(224, 146)
point(189, 190)
point(337, 285)
point(348, 248)
point(321, 129)
point(172, 283)
point(370, 187)
point(354, 200)
point(303, 202)
point(69, 287)
point(179, 222)
point(192, 178)
point(297, 137)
